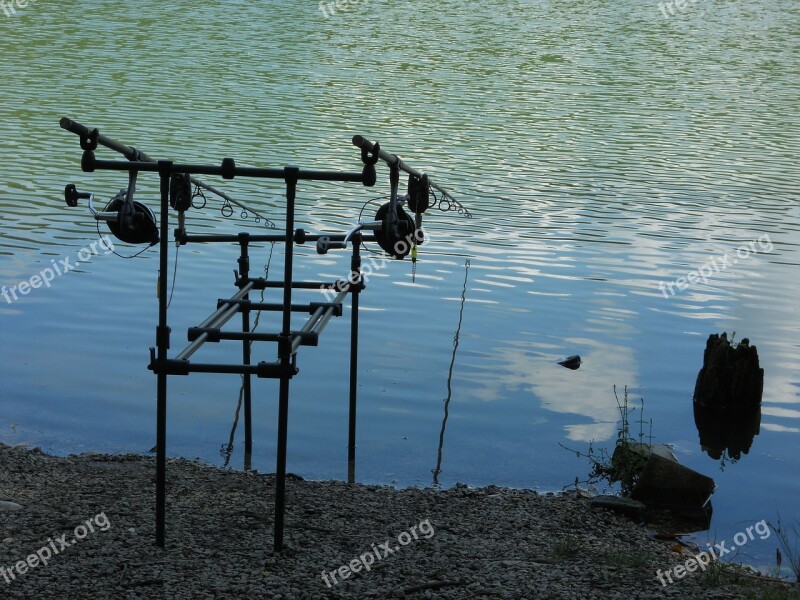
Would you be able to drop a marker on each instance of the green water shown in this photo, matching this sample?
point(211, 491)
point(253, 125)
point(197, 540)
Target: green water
point(602, 148)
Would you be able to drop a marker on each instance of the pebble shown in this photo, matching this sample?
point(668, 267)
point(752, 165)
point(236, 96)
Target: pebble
point(6, 506)
point(470, 543)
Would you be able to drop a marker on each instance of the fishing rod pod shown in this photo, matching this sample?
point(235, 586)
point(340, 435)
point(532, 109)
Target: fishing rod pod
point(133, 222)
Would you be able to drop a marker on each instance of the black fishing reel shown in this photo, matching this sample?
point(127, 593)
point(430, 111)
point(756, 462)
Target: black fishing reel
point(396, 232)
point(135, 222)
point(128, 220)
point(397, 237)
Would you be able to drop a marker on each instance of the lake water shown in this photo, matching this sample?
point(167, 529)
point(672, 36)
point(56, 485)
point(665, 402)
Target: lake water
point(602, 148)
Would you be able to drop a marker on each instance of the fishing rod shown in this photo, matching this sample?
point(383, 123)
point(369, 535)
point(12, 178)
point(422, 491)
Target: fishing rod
point(134, 220)
point(399, 234)
point(395, 231)
point(394, 161)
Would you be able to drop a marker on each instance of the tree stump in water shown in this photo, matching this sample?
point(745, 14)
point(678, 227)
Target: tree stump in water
point(727, 434)
point(731, 376)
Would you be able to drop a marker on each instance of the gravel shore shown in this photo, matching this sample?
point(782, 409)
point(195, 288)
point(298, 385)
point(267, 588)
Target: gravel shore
point(94, 514)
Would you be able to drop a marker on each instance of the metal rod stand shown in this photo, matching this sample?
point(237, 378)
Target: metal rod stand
point(244, 273)
point(351, 429)
point(288, 340)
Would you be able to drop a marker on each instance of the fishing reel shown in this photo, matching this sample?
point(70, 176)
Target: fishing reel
point(396, 232)
point(135, 223)
point(128, 220)
point(400, 234)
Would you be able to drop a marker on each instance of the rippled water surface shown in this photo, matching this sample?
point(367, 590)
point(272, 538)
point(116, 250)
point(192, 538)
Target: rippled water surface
point(601, 147)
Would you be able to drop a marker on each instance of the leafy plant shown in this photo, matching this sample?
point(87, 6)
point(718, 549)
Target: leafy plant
point(714, 575)
point(630, 453)
point(565, 548)
point(791, 547)
point(618, 560)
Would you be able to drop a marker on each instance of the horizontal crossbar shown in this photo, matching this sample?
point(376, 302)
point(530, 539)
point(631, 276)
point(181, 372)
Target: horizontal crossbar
point(184, 367)
point(277, 306)
point(307, 338)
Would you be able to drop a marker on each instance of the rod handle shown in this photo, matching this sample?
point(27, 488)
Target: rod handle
point(74, 127)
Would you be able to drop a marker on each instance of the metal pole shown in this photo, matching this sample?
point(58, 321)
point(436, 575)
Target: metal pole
point(355, 290)
point(162, 341)
point(285, 352)
point(244, 273)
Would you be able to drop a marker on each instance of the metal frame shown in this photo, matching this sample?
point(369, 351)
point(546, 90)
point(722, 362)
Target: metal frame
point(288, 340)
point(284, 368)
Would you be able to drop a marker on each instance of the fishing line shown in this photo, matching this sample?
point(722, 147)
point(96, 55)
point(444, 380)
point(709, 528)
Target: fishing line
point(227, 451)
point(111, 249)
point(360, 215)
point(456, 338)
point(174, 275)
point(261, 299)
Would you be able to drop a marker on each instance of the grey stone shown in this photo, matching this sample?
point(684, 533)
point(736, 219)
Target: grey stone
point(626, 506)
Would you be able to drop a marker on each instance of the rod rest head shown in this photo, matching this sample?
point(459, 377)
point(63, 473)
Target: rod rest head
point(324, 244)
point(72, 195)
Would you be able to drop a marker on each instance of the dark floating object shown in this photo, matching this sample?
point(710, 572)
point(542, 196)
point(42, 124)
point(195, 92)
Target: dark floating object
point(727, 398)
point(571, 362)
